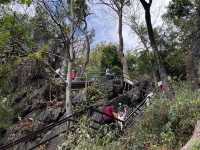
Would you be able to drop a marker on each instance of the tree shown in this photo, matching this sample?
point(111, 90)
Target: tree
point(161, 69)
point(141, 31)
point(69, 17)
point(103, 56)
point(15, 43)
point(185, 14)
point(117, 6)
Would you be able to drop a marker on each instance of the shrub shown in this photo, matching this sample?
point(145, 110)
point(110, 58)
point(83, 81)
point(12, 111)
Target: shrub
point(88, 139)
point(168, 124)
point(94, 93)
point(6, 113)
point(196, 145)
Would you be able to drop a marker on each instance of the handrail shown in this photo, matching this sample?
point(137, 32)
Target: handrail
point(45, 129)
point(137, 108)
point(47, 140)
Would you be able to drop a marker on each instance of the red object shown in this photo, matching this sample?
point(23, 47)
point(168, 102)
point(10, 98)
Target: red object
point(163, 88)
point(72, 75)
point(109, 111)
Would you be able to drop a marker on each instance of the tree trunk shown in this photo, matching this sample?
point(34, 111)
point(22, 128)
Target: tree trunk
point(161, 69)
point(87, 55)
point(153, 42)
point(68, 90)
point(69, 69)
point(121, 47)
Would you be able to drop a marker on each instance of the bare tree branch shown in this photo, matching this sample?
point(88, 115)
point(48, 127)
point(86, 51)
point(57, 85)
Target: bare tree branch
point(65, 38)
point(108, 4)
point(145, 4)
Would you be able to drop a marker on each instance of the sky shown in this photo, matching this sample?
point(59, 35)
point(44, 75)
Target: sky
point(104, 21)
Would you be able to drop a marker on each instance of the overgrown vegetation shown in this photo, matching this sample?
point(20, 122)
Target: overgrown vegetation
point(87, 138)
point(164, 125)
point(167, 124)
point(6, 112)
point(94, 93)
point(56, 38)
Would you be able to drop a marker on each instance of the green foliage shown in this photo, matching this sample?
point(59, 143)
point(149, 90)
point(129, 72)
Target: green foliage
point(6, 112)
point(168, 124)
point(109, 57)
point(179, 8)
point(87, 139)
point(4, 38)
point(173, 59)
point(80, 9)
point(140, 63)
point(196, 145)
point(94, 93)
point(184, 15)
point(5, 35)
point(40, 54)
point(27, 2)
point(164, 125)
point(132, 60)
point(104, 56)
point(14, 34)
point(5, 70)
point(180, 13)
point(174, 62)
point(4, 1)
point(144, 62)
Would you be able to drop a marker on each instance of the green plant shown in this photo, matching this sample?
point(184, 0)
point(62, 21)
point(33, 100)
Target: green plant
point(196, 145)
point(6, 112)
point(168, 124)
point(94, 93)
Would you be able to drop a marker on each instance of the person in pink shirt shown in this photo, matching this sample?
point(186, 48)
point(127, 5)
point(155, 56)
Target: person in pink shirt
point(110, 114)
